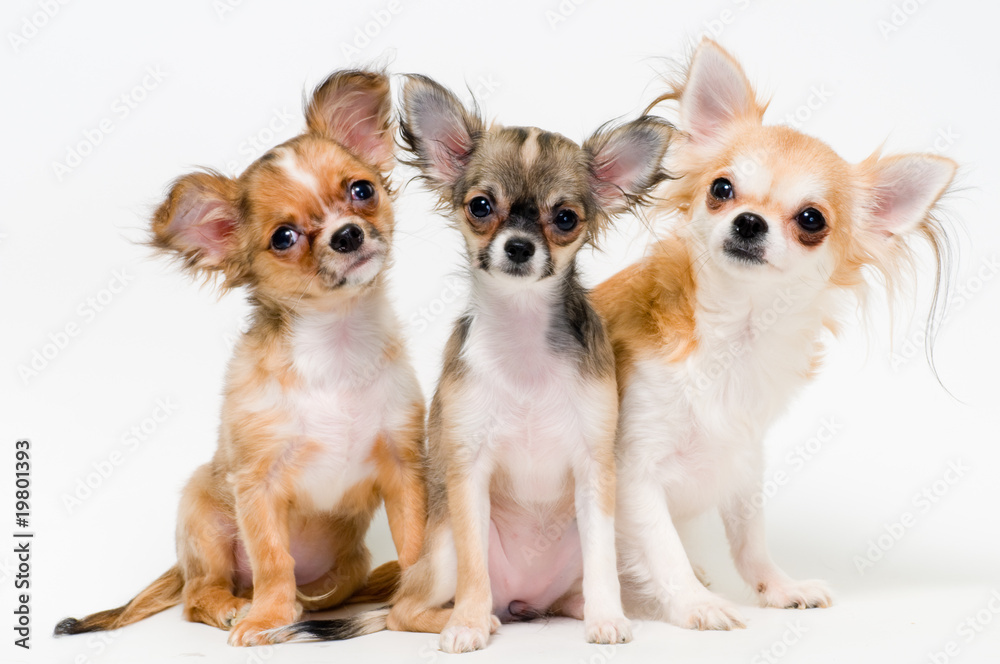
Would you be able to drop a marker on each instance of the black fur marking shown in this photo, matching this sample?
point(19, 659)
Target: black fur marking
point(520, 135)
point(327, 630)
point(456, 343)
point(579, 329)
point(550, 267)
point(337, 629)
point(526, 210)
point(70, 626)
point(559, 171)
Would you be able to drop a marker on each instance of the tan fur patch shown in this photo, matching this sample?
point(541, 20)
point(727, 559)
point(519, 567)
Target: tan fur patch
point(649, 308)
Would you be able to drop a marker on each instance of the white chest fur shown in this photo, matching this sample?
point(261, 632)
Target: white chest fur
point(698, 423)
point(524, 400)
point(351, 393)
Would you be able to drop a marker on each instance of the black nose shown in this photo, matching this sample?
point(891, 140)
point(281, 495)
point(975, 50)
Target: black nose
point(518, 250)
point(347, 239)
point(749, 226)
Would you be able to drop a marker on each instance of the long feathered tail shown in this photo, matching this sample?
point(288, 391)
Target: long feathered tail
point(162, 594)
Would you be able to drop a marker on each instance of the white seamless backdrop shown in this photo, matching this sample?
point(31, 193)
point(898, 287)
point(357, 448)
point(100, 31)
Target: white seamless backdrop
point(879, 481)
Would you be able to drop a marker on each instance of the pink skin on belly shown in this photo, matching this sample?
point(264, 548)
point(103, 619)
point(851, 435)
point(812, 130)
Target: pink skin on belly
point(533, 562)
point(311, 549)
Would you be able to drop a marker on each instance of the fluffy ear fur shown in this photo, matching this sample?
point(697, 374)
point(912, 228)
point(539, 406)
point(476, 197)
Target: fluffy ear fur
point(197, 221)
point(715, 94)
point(438, 130)
point(626, 161)
point(354, 108)
point(903, 190)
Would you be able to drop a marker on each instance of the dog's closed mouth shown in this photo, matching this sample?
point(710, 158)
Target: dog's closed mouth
point(752, 256)
point(362, 261)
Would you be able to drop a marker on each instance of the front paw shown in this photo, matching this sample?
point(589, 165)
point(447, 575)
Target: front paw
point(703, 610)
point(255, 628)
point(790, 594)
point(467, 636)
point(608, 630)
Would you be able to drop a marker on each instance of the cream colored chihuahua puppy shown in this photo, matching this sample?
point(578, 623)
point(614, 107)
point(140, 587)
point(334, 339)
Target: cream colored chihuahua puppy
point(720, 325)
point(521, 430)
point(323, 415)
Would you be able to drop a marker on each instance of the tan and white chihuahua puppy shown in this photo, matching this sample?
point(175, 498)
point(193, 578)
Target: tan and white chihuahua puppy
point(521, 430)
point(720, 325)
point(323, 415)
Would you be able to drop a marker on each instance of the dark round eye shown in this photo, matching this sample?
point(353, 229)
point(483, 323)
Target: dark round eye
point(284, 238)
point(721, 189)
point(811, 220)
point(362, 190)
point(566, 220)
point(480, 207)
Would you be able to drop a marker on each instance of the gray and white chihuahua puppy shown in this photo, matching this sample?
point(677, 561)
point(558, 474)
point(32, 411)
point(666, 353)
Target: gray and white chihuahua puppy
point(521, 461)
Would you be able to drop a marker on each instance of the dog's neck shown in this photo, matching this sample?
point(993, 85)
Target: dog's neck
point(340, 338)
point(515, 325)
point(348, 344)
point(733, 308)
point(501, 295)
point(279, 315)
point(757, 341)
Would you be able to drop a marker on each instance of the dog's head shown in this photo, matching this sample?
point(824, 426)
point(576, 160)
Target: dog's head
point(769, 202)
point(308, 221)
point(526, 200)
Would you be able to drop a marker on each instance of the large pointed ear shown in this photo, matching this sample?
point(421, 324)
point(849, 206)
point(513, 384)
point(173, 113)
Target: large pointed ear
point(438, 130)
point(903, 190)
point(197, 221)
point(715, 94)
point(626, 161)
point(354, 108)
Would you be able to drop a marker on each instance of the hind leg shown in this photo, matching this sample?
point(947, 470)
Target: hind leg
point(205, 535)
point(210, 601)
